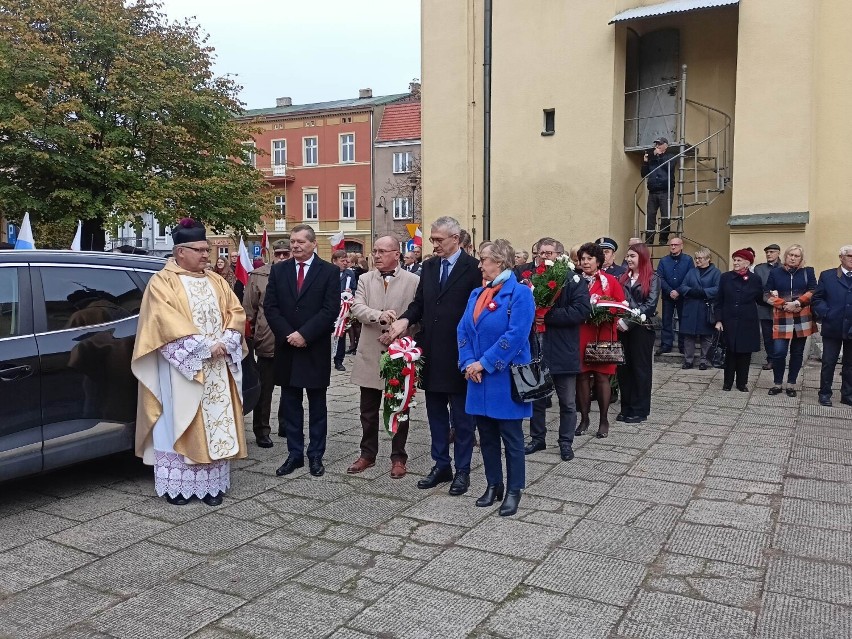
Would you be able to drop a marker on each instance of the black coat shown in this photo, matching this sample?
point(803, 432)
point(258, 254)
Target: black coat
point(439, 313)
point(736, 308)
point(832, 303)
point(561, 339)
point(312, 313)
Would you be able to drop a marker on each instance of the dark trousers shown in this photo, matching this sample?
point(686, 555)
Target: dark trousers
point(263, 410)
point(438, 407)
point(371, 403)
point(566, 391)
point(341, 350)
point(768, 340)
point(634, 376)
point(736, 365)
point(689, 342)
point(830, 353)
point(663, 202)
point(796, 347)
point(511, 431)
point(292, 415)
point(667, 334)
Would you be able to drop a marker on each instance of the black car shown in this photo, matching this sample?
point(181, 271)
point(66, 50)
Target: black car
point(67, 329)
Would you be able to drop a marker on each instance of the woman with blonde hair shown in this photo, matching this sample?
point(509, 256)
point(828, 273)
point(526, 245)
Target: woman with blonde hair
point(789, 290)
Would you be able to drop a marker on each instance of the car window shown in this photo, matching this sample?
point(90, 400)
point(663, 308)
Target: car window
point(76, 297)
point(145, 275)
point(10, 303)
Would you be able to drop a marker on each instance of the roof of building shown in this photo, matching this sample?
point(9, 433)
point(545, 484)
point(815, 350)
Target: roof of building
point(670, 6)
point(400, 122)
point(333, 105)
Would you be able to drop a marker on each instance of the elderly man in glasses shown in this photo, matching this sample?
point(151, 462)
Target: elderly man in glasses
point(264, 342)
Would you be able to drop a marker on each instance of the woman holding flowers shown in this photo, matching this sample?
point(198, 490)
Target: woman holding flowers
point(492, 335)
point(602, 286)
point(642, 290)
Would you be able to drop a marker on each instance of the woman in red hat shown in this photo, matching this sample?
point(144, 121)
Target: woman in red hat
point(740, 291)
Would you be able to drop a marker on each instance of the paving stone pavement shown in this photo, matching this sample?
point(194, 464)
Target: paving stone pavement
point(725, 516)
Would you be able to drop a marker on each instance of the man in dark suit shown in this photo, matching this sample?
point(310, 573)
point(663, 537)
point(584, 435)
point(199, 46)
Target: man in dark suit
point(832, 302)
point(439, 304)
point(302, 302)
point(348, 282)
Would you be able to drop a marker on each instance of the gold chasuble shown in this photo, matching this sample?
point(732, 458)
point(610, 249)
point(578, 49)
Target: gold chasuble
point(190, 409)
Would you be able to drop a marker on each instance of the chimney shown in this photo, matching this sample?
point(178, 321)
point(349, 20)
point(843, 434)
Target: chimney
point(283, 102)
point(414, 89)
point(365, 93)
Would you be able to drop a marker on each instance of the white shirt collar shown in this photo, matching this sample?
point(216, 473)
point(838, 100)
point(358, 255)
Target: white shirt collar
point(308, 261)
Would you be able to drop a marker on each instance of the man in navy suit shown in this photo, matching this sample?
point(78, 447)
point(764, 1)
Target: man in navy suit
point(302, 302)
point(832, 303)
point(446, 282)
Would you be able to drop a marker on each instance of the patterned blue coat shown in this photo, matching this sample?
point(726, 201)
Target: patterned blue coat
point(500, 338)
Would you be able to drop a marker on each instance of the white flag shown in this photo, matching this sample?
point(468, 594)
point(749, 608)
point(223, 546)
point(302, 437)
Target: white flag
point(75, 245)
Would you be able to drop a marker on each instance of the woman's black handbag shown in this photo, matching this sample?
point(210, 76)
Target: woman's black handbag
point(531, 382)
point(718, 349)
point(709, 313)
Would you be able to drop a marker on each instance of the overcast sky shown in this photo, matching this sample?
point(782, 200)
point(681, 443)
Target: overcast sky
point(310, 51)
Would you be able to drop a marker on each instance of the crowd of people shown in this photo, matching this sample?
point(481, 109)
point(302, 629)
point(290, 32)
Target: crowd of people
point(475, 318)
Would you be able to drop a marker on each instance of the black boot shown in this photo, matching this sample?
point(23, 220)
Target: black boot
point(510, 504)
point(212, 500)
point(436, 476)
point(177, 500)
point(491, 494)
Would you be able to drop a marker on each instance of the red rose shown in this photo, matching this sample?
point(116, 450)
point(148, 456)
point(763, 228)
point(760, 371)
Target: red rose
point(526, 275)
point(551, 284)
point(393, 382)
point(388, 395)
point(540, 269)
point(613, 311)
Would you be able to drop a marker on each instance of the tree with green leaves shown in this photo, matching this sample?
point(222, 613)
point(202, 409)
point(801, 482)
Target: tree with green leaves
point(109, 111)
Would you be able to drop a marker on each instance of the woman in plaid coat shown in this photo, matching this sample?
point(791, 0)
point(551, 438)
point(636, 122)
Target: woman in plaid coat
point(789, 290)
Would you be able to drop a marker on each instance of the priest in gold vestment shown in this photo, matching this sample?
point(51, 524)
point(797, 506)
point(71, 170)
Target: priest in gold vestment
point(188, 360)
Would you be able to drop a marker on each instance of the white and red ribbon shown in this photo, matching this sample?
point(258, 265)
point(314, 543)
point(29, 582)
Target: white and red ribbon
point(406, 349)
point(342, 317)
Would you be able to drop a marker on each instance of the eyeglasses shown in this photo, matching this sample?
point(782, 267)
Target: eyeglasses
point(282, 253)
point(200, 251)
point(547, 253)
point(440, 240)
point(383, 251)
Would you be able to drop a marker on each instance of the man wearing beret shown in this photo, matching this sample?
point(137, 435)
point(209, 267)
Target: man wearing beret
point(264, 342)
point(610, 246)
point(764, 310)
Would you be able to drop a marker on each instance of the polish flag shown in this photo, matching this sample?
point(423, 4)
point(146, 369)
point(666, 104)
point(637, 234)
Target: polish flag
point(338, 241)
point(264, 246)
point(418, 237)
point(244, 265)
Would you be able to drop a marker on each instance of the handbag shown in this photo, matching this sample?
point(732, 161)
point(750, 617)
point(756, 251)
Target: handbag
point(718, 350)
point(531, 382)
point(599, 352)
point(709, 315)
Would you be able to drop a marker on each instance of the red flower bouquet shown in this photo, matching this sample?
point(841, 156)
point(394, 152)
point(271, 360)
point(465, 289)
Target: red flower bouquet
point(547, 283)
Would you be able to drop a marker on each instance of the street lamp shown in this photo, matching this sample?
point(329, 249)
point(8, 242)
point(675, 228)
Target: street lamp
point(413, 182)
point(382, 204)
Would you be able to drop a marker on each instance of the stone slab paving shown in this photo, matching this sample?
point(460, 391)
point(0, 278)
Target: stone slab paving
point(725, 516)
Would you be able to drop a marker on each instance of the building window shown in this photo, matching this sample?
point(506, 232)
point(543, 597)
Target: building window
point(280, 206)
point(249, 154)
point(347, 147)
point(279, 152)
point(402, 162)
point(311, 206)
point(347, 205)
point(549, 122)
point(223, 252)
point(311, 152)
point(402, 208)
point(162, 229)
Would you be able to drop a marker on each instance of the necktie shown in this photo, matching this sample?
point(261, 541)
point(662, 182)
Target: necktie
point(300, 278)
point(387, 273)
point(445, 272)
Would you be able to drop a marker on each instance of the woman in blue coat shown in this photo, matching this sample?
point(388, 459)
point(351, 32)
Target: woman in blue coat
point(699, 289)
point(492, 335)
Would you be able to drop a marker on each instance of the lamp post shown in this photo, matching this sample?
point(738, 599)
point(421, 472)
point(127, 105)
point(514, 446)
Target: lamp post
point(413, 182)
point(382, 204)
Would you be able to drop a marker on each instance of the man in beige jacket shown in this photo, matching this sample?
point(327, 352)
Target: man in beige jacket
point(264, 342)
point(382, 295)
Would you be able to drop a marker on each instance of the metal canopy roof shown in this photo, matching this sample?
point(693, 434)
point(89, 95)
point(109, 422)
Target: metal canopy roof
point(670, 6)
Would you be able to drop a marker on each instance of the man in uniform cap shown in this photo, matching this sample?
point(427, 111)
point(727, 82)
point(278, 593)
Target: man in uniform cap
point(264, 342)
point(610, 246)
point(764, 310)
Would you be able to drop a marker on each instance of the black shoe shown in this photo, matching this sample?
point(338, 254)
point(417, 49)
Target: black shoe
point(510, 504)
point(791, 392)
point(315, 467)
point(742, 389)
point(177, 500)
point(686, 366)
point(491, 494)
point(281, 433)
point(548, 402)
point(461, 482)
point(767, 366)
point(825, 400)
point(290, 464)
point(351, 351)
point(702, 367)
point(533, 447)
point(436, 476)
point(566, 453)
point(848, 402)
point(264, 441)
point(212, 500)
point(619, 417)
point(339, 367)
point(634, 419)
point(727, 387)
point(661, 350)
point(582, 427)
point(775, 390)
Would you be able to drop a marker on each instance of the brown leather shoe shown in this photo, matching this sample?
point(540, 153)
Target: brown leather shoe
point(398, 470)
point(360, 465)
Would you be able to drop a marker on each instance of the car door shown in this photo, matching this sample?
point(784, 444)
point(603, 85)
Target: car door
point(20, 426)
point(85, 318)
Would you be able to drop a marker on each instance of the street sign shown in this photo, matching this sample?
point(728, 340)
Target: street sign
point(409, 246)
point(412, 229)
point(256, 250)
point(11, 233)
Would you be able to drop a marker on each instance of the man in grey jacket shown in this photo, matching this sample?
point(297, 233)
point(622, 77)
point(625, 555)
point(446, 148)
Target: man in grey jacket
point(764, 310)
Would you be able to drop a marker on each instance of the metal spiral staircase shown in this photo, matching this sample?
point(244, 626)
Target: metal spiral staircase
point(702, 169)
